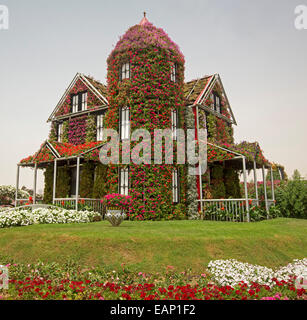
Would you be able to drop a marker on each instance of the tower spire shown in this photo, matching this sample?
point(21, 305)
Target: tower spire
point(144, 20)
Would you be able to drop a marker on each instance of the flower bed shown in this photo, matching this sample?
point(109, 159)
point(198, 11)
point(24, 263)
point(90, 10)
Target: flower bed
point(25, 217)
point(53, 281)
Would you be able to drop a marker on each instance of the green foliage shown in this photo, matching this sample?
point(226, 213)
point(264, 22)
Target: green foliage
point(65, 131)
point(53, 132)
point(48, 183)
point(232, 184)
point(90, 128)
point(87, 180)
point(218, 186)
point(63, 182)
point(291, 197)
point(100, 187)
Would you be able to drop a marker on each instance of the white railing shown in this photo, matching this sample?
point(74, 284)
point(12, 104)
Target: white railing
point(70, 203)
point(226, 209)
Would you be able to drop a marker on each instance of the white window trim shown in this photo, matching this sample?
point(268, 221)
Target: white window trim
point(99, 126)
point(174, 121)
point(60, 132)
point(125, 123)
point(175, 186)
point(124, 181)
point(125, 71)
point(84, 101)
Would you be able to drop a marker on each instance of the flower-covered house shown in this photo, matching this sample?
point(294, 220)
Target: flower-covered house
point(145, 89)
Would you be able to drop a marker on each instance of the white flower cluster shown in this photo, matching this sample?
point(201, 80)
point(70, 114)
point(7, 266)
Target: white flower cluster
point(9, 191)
point(231, 272)
point(25, 217)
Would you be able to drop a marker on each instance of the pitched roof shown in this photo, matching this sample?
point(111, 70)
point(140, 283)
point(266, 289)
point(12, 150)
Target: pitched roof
point(194, 88)
point(51, 150)
point(197, 92)
point(95, 86)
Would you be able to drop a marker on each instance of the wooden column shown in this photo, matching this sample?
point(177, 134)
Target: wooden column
point(17, 185)
point(34, 183)
point(54, 180)
point(245, 189)
point(77, 182)
point(256, 183)
point(265, 192)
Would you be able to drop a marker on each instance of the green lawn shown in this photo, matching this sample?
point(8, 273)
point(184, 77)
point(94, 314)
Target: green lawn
point(150, 246)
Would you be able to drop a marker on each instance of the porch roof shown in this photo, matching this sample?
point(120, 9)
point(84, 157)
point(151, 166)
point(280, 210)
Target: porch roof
point(51, 150)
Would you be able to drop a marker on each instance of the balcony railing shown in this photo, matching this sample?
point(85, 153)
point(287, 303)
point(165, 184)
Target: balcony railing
point(70, 203)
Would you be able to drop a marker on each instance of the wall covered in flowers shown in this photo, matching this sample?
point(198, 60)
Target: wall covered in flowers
point(151, 96)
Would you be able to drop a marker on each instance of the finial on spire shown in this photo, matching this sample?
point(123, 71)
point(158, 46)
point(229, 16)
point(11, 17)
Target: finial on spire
point(144, 20)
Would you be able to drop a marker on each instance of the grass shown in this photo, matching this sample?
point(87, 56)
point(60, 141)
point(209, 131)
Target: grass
point(152, 246)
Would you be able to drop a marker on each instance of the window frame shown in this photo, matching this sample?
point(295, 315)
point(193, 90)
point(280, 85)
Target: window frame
point(124, 124)
point(123, 172)
point(174, 72)
point(174, 123)
point(125, 71)
point(99, 126)
point(60, 132)
point(175, 186)
point(78, 102)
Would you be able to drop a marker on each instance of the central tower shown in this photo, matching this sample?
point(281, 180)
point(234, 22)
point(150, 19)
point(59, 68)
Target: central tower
point(145, 91)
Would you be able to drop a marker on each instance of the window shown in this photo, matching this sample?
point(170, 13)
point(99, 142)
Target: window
point(173, 72)
point(79, 102)
point(125, 71)
point(174, 124)
point(60, 132)
point(75, 103)
point(99, 126)
point(216, 102)
point(175, 186)
point(124, 181)
point(84, 101)
point(124, 123)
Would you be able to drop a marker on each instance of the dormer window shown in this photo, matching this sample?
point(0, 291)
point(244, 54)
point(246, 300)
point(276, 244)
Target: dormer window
point(60, 132)
point(79, 102)
point(124, 123)
point(99, 127)
point(125, 71)
point(173, 72)
point(174, 120)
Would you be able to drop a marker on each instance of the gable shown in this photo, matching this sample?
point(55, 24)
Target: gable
point(198, 92)
point(96, 95)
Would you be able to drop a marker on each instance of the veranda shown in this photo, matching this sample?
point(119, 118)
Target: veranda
point(238, 209)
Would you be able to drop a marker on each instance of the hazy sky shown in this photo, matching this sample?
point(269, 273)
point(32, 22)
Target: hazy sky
point(253, 45)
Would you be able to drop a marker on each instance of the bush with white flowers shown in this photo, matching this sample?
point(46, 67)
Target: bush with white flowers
point(232, 272)
point(7, 194)
point(25, 217)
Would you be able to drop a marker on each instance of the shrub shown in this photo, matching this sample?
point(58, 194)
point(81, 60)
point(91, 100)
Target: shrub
point(291, 197)
point(7, 194)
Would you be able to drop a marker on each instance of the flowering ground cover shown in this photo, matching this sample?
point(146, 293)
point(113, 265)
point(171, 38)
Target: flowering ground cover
point(53, 281)
point(25, 217)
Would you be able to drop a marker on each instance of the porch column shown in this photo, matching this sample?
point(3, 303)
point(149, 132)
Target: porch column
point(54, 180)
point(265, 192)
point(272, 184)
point(200, 178)
point(77, 182)
point(256, 183)
point(245, 189)
point(34, 183)
point(17, 185)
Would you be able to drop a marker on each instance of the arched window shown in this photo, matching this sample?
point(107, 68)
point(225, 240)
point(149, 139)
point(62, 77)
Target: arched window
point(124, 123)
point(124, 181)
point(174, 121)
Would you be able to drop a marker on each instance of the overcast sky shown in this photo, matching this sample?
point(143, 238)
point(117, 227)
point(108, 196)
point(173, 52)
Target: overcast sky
point(253, 45)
